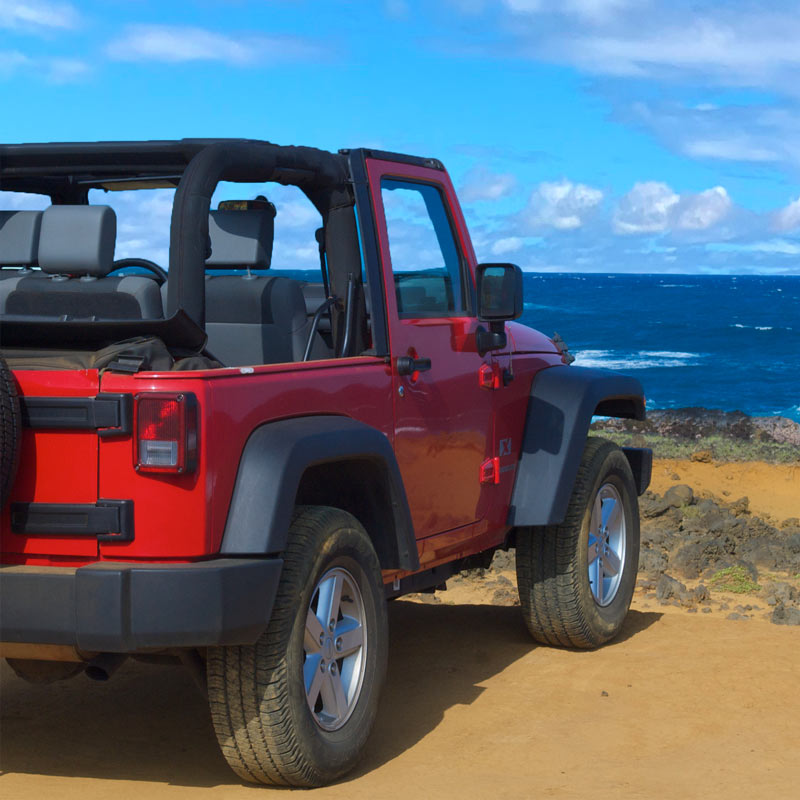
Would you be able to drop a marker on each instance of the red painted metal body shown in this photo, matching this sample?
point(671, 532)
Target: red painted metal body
point(443, 423)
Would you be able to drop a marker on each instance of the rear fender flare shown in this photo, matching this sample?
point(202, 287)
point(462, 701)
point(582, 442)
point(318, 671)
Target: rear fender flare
point(562, 402)
point(271, 469)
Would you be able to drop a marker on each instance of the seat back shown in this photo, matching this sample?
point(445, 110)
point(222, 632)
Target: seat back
point(19, 238)
point(251, 319)
point(76, 253)
point(19, 245)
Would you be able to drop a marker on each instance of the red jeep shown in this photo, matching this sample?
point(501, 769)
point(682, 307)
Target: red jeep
point(233, 468)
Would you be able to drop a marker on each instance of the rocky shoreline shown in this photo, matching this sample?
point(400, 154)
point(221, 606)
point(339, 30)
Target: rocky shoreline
point(721, 548)
point(697, 553)
point(725, 435)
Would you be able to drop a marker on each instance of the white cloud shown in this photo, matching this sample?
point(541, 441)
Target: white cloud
point(773, 246)
point(481, 184)
point(597, 10)
point(562, 205)
point(700, 44)
point(51, 70)
point(511, 244)
point(36, 16)
point(11, 61)
point(699, 212)
point(757, 134)
point(645, 209)
point(788, 218)
point(23, 201)
point(653, 207)
point(177, 43)
point(297, 214)
point(143, 221)
point(727, 147)
point(737, 43)
point(729, 54)
point(66, 70)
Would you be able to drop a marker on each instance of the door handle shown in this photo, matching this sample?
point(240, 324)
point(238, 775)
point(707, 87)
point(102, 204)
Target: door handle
point(408, 366)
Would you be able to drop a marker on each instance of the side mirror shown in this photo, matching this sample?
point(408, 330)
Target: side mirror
point(499, 292)
point(499, 300)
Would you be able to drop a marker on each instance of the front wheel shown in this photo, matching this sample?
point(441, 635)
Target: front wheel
point(297, 707)
point(576, 579)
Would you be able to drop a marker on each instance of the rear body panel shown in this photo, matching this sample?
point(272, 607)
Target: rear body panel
point(176, 517)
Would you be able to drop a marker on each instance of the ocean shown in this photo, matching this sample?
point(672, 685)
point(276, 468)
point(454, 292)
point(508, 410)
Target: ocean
point(727, 342)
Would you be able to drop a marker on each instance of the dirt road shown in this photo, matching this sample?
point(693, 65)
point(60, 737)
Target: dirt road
point(694, 706)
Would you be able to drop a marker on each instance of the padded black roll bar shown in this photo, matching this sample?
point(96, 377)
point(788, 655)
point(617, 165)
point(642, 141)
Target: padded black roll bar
point(314, 171)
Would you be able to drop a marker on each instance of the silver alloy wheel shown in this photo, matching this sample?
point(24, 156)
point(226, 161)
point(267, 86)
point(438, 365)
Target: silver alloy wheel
point(335, 646)
point(606, 544)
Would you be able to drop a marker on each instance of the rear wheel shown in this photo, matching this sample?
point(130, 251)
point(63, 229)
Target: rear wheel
point(10, 432)
point(576, 579)
point(297, 707)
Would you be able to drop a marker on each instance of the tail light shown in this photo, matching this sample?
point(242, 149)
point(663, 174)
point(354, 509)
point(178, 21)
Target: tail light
point(165, 434)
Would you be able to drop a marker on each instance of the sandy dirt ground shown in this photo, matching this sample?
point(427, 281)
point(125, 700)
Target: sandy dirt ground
point(681, 705)
point(773, 489)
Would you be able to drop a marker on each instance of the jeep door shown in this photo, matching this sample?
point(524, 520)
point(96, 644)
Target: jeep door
point(442, 416)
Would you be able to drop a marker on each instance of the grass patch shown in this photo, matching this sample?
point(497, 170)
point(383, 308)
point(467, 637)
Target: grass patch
point(736, 580)
point(722, 448)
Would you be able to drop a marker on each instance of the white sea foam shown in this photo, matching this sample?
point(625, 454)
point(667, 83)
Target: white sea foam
point(644, 359)
point(793, 412)
point(669, 354)
point(756, 327)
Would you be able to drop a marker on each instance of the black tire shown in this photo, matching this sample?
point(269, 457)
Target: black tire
point(553, 561)
point(10, 432)
point(264, 725)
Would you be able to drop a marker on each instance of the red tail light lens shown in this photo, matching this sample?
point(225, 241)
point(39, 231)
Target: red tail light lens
point(166, 432)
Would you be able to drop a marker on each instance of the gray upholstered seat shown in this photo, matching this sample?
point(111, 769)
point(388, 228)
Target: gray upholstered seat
point(76, 253)
point(19, 245)
point(251, 319)
point(19, 238)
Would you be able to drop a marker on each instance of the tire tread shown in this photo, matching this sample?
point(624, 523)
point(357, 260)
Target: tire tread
point(248, 685)
point(547, 567)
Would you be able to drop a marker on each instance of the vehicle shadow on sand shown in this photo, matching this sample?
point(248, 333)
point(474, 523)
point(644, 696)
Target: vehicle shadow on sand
point(149, 723)
point(439, 655)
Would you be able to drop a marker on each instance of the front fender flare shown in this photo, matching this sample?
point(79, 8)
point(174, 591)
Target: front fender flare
point(562, 402)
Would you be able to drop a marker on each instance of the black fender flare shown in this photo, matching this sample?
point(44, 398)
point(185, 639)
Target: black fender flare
point(273, 462)
point(562, 402)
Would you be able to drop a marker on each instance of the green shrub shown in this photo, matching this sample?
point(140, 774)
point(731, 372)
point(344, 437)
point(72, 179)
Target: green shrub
point(734, 579)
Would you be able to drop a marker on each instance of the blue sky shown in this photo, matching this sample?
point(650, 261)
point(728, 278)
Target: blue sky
point(583, 135)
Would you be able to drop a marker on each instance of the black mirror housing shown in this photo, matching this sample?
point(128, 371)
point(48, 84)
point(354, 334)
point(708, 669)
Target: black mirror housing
point(499, 292)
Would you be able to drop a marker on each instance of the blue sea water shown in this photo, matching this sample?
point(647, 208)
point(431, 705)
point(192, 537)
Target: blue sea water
point(716, 341)
point(727, 342)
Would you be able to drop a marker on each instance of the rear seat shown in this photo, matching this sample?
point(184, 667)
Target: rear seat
point(251, 319)
point(19, 245)
point(76, 250)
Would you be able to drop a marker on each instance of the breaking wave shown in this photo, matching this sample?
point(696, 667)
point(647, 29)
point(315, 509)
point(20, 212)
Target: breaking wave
point(643, 359)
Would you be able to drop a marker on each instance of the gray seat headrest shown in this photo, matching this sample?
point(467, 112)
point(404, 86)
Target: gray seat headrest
point(19, 237)
point(78, 240)
point(241, 238)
